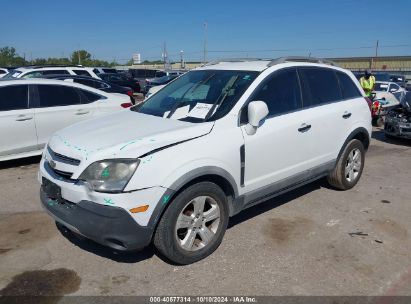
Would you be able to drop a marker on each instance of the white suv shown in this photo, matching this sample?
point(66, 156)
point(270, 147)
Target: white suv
point(40, 71)
point(215, 141)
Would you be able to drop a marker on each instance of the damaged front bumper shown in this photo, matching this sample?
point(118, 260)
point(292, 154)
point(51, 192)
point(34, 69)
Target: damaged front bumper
point(397, 127)
point(105, 218)
point(108, 225)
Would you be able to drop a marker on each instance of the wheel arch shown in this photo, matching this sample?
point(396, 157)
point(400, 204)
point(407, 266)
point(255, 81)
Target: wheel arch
point(359, 133)
point(216, 175)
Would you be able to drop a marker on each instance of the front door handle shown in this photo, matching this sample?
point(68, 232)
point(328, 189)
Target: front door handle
point(23, 118)
point(304, 128)
point(346, 115)
point(82, 112)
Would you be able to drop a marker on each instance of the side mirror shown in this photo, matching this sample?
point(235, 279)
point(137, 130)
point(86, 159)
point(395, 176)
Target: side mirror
point(257, 111)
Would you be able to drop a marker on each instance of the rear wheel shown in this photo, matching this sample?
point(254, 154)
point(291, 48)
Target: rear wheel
point(349, 166)
point(194, 224)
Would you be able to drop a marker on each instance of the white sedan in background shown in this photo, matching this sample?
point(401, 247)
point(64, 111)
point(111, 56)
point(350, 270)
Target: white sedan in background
point(32, 110)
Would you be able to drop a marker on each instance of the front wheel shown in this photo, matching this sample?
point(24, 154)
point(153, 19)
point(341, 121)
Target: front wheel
point(194, 224)
point(349, 166)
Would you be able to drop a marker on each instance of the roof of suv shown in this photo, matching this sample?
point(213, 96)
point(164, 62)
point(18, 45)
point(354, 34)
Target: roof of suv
point(262, 64)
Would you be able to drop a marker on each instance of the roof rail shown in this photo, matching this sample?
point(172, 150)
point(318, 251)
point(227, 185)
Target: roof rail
point(39, 66)
point(275, 61)
point(214, 62)
point(300, 59)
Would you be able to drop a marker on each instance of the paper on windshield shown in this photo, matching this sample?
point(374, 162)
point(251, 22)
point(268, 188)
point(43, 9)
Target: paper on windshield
point(200, 110)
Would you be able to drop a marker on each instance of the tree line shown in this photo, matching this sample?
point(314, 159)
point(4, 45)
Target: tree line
point(10, 58)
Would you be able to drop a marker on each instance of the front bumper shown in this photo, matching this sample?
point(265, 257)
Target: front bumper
point(107, 225)
point(397, 129)
point(104, 217)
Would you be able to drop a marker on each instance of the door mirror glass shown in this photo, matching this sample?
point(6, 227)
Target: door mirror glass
point(257, 111)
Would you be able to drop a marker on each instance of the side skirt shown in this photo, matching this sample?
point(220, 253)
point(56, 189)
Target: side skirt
point(290, 183)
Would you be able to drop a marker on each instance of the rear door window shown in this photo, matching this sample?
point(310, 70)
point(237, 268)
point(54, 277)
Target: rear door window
point(35, 74)
point(90, 97)
point(56, 72)
point(348, 87)
point(281, 92)
point(319, 86)
point(14, 97)
point(57, 95)
point(81, 72)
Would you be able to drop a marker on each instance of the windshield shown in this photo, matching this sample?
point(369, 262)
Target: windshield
point(199, 96)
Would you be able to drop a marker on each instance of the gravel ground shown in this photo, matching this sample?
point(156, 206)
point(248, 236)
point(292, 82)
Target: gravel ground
point(313, 241)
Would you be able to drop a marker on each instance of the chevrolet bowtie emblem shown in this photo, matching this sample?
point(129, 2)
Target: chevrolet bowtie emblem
point(52, 163)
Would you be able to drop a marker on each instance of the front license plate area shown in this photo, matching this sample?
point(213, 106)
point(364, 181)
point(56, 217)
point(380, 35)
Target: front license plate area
point(52, 190)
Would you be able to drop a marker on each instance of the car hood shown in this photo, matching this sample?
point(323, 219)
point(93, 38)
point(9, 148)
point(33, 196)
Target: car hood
point(126, 134)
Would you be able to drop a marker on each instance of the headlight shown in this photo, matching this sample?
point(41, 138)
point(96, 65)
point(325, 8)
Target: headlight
point(109, 175)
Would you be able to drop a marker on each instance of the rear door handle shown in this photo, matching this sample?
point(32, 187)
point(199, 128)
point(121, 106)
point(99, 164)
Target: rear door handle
point(346, 115)
point(23, 118)
point(304, 128)
point(82, 112)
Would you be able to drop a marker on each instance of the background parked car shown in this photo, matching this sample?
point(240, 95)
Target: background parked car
point(398, 79)
point(382, 76)
point(3, 72)
point(158, 81)
point(121, 80)
point(160, 74)
point(391, 87)
point(97, 84)
point(153, 90)
point(141, 75)
point(31, 110)
point(40, 71)
point(398, 120)
point(105, 70)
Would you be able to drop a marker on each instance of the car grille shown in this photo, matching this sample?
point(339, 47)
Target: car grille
point(57, 173)
point(62, 158)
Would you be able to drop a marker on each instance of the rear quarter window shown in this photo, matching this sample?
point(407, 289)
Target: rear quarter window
point(348, 87)
point(319, 86)
point(90, 97)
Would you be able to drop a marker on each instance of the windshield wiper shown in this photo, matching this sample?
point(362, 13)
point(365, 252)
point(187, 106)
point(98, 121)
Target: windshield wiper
point(192, 89)
point(219, 101)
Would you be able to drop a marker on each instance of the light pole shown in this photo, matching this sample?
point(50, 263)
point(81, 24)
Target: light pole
point(205, 42)
point(182, 65)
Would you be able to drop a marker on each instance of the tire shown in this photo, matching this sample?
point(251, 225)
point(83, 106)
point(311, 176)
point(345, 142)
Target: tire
point(338, 177)
point(180, 222)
